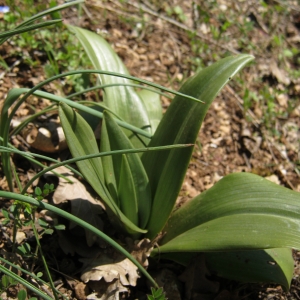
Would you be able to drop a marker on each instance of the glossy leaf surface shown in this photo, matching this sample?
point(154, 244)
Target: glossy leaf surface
point(127, 194)
point(238, 232)
point(81, 141)
point(181, 124)
point(141, 190)
point(122, 100)
point(237, 193)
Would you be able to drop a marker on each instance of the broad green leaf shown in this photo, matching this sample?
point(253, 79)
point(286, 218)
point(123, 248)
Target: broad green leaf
point(127, 194)
point(243, 231)
point(119, 141)
point(181, 124)
point(237, 193)
point(271, 265)
point(81, 141)
point(122, 100)
point(108, 165)
point(153, 106)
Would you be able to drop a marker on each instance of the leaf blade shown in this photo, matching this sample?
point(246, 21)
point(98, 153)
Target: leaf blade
point(233, 194)
point(122, 100)
point(258, 231)
point(181, 124)
point(126, 191)
point(81, 141)
point(119, 141)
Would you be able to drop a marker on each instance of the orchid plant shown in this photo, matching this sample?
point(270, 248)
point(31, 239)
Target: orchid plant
point(243, 215)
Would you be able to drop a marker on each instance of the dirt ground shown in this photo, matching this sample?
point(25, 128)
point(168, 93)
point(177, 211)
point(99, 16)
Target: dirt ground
point(232, 139)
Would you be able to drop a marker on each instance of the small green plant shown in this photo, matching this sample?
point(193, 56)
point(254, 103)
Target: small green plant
point(18, 209)
point(157, 294)
point(8, 282)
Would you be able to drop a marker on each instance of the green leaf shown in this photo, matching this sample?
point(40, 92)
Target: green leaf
point(126, 191)
point(271, 265)
point(60, 227)
point(181, 124)
point(6, 281)
point(119, 141)
point(22, 294)
point(81, 141)
point(108, 165)
point(122, 100)
point(43, 223)
point(153, 106)
point(5, 213)
point(157, 293)
point(245, 231)
point(38, 191)
point(237, 193)
point(49, 231)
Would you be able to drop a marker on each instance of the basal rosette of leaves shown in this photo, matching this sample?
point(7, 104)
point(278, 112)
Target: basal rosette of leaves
point(254, 221)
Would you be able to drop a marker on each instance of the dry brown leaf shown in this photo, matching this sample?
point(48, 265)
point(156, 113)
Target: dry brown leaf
point(141, 250)
point(81, 290)
point(280, 75)
point(84, 206)
point(110, 269)
point(20, 237)
point(117, 272)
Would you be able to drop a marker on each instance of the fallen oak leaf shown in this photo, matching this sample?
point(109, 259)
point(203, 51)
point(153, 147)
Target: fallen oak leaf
point(110, 269)
point(120, 271)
